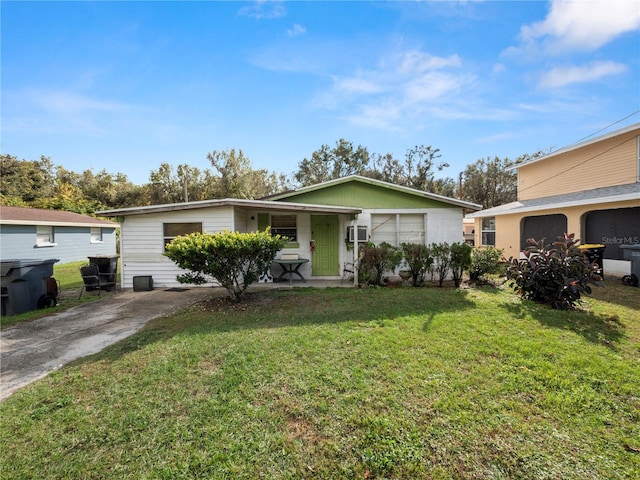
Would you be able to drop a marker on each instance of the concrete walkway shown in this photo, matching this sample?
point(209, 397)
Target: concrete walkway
point(31, 350)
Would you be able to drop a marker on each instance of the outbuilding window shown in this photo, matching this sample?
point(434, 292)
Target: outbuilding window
point(488, 237)
point(96, 235)
point(44, 236)
point(172, 230)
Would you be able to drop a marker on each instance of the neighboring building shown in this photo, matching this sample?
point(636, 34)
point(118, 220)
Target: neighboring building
point(32, 233)
point(591, 189)
point(320, 220)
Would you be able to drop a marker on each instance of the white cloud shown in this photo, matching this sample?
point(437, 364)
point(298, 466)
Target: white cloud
point(296, 30)
point(400, 90)
point(264, 9)
point(72, 103)
point(562, 76)
point(434, 86)
point(356, 85)
point(55, 111)
point(583, 25)
point(416, 61)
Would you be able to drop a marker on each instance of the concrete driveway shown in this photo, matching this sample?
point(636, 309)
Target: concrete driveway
point(31, 350)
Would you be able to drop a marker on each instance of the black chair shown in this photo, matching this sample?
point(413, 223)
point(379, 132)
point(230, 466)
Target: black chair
point(94, 280)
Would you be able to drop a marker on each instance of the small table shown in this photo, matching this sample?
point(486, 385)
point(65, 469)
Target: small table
point(290, 267)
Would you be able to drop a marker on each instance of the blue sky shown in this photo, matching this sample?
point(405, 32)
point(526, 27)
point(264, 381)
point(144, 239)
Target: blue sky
point(126, 86)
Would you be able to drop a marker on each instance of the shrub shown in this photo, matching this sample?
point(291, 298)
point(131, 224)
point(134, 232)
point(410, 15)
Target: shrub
point(418, 259)
point(376, 260)
point(554, 275)
point(460, 261)
point(442, 260)
point(235, 260)
point(484, 261)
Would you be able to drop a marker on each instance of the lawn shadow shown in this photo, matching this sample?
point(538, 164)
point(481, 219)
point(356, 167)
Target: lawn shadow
point(598, 329)
point(615, 292)
point(294, 308)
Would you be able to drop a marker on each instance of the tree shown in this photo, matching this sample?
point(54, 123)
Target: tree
point(387, 168)
point(69, 198)
point(419, 165)
point(329, 163)
point(110, 190)
point(417, 171)
point(164, 186)
point(235, 260)
point(447, 187)
point(237, 179)
point(491, 181)
point(24, 181)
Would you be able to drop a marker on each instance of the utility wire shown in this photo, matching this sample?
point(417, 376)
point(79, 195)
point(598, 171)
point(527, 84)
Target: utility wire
point(608, 126)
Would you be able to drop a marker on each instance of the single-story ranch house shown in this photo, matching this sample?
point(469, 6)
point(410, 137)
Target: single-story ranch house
point(591, 189)
point(32, 233)
point(321, 221)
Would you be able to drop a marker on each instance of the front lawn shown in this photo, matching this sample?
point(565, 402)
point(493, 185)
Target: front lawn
point(399, 383)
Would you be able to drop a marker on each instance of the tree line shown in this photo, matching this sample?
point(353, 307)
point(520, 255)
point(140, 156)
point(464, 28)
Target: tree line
point(42, 184)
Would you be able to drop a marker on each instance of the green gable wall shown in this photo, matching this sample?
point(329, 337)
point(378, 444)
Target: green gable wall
point(363, 195)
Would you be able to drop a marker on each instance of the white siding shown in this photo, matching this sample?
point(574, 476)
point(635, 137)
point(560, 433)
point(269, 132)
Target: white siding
point(444, 225)
point(143, 242)
point(431, 225)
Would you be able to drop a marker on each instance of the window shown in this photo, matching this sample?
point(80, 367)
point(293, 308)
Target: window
point(362, 234)
point(284, 225)
point(44, 236)
point(488, 231)
point(96, 235)
point(172, 230)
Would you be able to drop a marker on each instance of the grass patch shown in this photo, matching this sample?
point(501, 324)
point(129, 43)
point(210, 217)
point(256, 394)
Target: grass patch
point(70, 285)
point(398, 383)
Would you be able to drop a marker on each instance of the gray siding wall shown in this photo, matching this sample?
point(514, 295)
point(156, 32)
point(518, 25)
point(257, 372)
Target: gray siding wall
point(72, 244)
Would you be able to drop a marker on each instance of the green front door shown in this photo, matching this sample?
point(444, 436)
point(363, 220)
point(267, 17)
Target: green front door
point(325, 258)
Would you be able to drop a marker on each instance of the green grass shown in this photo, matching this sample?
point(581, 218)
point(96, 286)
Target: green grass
point(70, 284)
point(396, 383)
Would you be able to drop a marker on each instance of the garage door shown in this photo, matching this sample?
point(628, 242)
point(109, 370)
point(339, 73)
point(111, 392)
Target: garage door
point(549, 227)
point(613, 227)
point(397, 228)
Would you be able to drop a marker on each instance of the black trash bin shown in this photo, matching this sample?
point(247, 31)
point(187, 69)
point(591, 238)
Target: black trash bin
point(23, 285)
point(632, 254)
point(594, 253)
point(107, 266)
